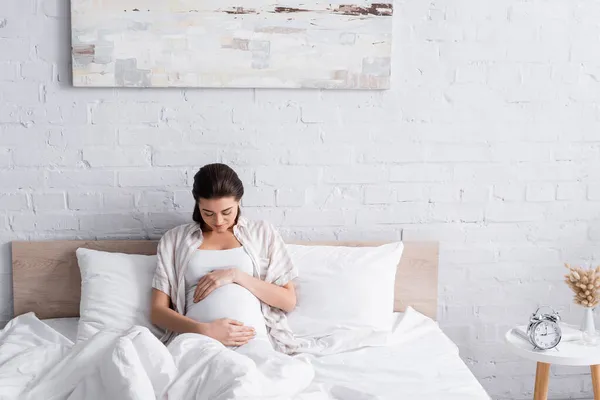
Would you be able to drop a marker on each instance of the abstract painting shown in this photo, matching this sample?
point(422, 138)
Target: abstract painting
point(226, 43)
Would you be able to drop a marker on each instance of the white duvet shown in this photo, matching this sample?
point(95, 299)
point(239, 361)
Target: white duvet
point(416, 361)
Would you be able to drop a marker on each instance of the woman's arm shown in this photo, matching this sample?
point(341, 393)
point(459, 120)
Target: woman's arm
point(282, 297)
point(161, 314)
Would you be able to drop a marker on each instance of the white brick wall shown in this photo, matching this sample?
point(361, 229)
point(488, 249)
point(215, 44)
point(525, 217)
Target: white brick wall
point(489, 142)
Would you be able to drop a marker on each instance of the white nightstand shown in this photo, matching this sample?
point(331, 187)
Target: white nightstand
point(568, 353)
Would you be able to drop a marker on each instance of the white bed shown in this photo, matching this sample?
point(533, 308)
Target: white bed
point(422, 364)
point(417, 361)
point(65, 326)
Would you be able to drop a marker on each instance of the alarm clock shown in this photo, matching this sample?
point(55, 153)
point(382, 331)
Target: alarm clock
point(543, 330)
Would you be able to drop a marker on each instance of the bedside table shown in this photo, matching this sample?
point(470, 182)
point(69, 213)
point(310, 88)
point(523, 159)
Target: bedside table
point(568, 353)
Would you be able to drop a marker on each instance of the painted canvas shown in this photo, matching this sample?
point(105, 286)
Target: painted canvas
point(226, 43)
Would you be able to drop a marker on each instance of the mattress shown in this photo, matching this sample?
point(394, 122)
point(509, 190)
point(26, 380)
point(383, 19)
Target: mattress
point(424, 364)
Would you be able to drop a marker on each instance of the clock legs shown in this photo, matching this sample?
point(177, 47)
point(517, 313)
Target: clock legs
point(542, 376)
point(596, 381)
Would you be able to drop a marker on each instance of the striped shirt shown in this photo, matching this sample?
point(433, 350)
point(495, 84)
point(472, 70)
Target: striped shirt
point(270, 260)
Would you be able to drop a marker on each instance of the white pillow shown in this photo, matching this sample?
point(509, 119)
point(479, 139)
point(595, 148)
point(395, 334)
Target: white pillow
point(342, 288)
point(115, 291)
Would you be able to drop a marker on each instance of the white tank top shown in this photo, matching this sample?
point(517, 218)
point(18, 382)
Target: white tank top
point(229, 301)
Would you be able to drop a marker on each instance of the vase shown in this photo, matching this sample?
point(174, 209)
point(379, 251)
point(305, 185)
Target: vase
point(587, 324)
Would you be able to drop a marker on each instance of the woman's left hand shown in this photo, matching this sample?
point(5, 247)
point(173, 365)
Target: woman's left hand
point(213, 280)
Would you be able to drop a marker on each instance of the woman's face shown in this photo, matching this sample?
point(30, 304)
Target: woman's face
point(219, 214)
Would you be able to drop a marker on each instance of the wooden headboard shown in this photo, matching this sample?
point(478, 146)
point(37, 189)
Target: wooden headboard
point(46, 277)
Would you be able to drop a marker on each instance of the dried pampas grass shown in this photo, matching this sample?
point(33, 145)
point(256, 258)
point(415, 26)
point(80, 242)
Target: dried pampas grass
point(585, 283)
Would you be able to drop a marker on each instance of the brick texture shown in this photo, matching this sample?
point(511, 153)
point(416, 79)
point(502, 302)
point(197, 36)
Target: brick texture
point(488, 142)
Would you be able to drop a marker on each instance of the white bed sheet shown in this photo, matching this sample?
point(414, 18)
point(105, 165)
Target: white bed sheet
point(420, 362)
point(65, 326)
point(422, 367)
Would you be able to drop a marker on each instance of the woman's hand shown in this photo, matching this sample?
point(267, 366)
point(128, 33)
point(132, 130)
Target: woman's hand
point(213, 280)
point(229, 332)
point(282, 297)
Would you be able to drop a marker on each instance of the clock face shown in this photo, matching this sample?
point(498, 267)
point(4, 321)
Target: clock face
point(546, 335)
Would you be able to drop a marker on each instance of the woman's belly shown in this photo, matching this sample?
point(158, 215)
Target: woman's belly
point(230, 301)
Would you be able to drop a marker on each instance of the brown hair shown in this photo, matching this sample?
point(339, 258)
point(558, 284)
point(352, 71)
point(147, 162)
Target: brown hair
point(214, 181)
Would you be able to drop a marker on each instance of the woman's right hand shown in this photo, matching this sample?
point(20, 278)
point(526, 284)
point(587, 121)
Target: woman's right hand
point(229, 332)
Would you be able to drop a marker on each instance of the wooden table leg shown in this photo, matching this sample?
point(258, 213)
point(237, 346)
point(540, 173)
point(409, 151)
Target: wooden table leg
point(596, 381)
point(542, 376)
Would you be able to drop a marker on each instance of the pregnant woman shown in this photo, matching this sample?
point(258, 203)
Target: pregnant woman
point(227, 277)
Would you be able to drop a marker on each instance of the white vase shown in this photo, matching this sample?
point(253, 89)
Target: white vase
point(587, 324)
